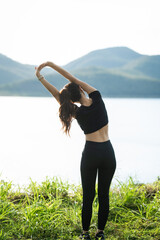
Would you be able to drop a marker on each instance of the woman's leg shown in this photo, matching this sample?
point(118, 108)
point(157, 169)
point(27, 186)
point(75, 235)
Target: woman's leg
point(88, 177)
point(106, 171)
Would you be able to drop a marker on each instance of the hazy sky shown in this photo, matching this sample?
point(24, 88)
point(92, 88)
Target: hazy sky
point(33, 31)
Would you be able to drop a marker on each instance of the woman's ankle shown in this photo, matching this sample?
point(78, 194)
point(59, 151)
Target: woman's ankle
point(98, 231)
point(85, 231)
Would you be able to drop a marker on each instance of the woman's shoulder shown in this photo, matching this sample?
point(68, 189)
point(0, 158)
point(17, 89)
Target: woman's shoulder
point(95, 95)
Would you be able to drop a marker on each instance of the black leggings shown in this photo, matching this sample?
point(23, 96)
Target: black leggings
point(96, 157)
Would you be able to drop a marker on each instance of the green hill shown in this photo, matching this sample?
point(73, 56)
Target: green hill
point(148, 65)
point(116, 72)
point(12, 71)
point(107, 58)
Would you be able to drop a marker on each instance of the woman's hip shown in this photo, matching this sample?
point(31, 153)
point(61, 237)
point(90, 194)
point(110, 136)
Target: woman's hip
point(96, 152)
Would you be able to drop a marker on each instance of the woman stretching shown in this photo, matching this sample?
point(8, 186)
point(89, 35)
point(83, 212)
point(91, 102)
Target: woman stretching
point(98, 154)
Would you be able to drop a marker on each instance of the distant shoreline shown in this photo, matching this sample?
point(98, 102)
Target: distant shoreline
point(107, 97)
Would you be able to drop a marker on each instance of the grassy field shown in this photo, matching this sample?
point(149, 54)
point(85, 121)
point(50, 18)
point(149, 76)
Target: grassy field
point(52, 210)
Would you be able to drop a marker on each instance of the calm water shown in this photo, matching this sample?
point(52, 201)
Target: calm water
point(33, 145)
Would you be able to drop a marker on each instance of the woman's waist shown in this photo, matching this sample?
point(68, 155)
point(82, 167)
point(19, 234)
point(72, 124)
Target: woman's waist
point(100, 135)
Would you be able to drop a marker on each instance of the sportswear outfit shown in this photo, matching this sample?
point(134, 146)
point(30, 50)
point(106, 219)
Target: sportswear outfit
point(97, 158)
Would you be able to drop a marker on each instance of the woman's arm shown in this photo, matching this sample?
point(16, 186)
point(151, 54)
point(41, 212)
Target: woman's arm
point(53, 90)
point(86, 87)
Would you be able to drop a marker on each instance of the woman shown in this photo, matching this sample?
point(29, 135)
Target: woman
point(98, 154)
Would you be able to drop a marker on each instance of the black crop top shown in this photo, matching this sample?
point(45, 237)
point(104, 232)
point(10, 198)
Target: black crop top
point(94, 117)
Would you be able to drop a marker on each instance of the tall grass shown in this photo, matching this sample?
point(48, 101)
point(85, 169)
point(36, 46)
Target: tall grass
point(52, 210)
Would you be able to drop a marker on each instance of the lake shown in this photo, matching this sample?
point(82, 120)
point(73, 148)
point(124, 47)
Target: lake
point(33, 145)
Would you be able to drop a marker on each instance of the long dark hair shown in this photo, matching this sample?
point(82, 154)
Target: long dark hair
point(68, 95)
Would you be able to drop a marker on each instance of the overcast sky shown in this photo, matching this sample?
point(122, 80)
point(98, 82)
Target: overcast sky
point(33, 31)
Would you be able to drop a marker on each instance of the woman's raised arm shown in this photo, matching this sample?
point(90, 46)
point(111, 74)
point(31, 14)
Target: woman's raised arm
point(86, 87)
point(52, 89)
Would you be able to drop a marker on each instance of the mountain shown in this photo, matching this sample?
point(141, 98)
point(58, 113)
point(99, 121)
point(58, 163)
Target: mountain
point(12, 71)
point(106, 58)
point(116, 72)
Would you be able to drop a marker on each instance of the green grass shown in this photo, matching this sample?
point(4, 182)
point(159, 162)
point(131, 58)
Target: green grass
point(52, 210)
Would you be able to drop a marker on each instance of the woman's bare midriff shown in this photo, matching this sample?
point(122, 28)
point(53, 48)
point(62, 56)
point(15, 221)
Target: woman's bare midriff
point(100, 135)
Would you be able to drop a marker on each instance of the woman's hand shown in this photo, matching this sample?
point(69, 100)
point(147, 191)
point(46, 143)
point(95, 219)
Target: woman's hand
point(39, 68)
point(42, 66)
point(37, 72)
